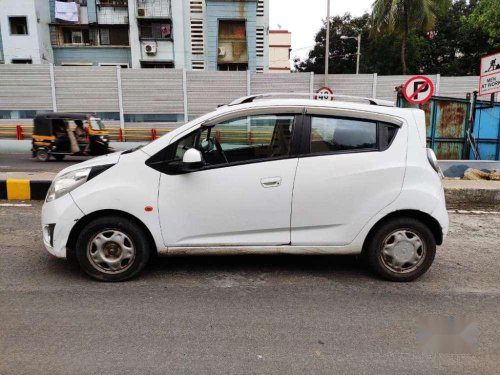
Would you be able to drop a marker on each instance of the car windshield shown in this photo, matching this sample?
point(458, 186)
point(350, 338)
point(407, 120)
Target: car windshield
point(96, 124)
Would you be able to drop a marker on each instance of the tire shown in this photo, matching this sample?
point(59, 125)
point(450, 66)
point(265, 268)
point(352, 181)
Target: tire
point(42, 155)
point(401, 249)
point(112, 248)
point(59, 157)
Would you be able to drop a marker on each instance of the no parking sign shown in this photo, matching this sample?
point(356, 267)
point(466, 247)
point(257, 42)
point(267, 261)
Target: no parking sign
point(418, 90)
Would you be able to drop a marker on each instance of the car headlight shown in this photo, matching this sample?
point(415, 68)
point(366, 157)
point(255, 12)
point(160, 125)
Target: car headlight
point(67, 182)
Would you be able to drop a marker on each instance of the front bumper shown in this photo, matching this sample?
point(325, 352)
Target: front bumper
point(58, 218)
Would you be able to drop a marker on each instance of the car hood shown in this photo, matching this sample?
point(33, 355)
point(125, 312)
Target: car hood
point(99, 160)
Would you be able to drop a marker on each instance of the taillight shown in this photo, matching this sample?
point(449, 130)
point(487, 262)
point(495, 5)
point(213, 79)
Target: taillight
point(431, 156)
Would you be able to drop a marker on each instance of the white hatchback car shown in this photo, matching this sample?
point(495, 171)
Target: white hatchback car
point(258, 176)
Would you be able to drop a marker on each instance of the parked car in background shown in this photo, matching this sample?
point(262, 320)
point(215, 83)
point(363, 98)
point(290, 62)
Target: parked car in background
point(315, 177)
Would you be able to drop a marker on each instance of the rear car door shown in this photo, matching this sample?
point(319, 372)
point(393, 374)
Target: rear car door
point(351, 167)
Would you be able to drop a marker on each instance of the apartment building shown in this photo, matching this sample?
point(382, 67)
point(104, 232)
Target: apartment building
point(24, 32)
point(226, 35)
point(280, 44)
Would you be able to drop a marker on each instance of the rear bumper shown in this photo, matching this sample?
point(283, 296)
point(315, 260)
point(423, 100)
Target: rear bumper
point(440, 213)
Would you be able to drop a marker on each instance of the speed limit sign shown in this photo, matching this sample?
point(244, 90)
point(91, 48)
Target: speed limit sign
point(324, 93)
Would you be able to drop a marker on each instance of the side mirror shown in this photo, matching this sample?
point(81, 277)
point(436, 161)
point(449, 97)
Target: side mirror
point(192, 159)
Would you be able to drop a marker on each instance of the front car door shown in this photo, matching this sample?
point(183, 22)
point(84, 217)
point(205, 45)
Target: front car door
point(243, 194)
point(352, 166)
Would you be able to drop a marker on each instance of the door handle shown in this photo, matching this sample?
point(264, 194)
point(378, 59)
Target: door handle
point(270, 182)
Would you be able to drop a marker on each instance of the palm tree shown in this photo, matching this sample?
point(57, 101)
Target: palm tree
point(405, 16)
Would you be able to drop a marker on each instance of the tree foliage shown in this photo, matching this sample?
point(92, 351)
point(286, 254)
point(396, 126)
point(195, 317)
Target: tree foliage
point(453, 47)
point(404, 18)
point(486, 16)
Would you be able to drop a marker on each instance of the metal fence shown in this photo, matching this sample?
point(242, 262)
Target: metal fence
point(158, 98)
point(461, 129)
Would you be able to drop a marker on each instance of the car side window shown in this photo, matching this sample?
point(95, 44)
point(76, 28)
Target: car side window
point(329, 134)
point(255, 137)
point(239, 140)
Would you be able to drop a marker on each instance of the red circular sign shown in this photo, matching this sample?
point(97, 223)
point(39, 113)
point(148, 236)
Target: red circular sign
point(324, 93)
point(418, 90)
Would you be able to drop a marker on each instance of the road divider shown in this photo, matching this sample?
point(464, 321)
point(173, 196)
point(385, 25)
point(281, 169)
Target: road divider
point(14, 189)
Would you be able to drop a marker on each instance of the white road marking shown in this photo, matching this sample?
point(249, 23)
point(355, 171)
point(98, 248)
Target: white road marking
point(15, 205)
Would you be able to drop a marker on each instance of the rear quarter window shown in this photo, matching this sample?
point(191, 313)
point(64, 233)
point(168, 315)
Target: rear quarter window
point(330, 134)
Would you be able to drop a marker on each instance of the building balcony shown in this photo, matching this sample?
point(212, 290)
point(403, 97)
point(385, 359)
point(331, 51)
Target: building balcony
point(84, 35)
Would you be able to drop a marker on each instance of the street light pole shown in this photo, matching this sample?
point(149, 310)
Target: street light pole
point(327, 41)
point(358, 53)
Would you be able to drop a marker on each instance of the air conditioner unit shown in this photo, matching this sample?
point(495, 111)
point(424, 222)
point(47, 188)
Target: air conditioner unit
point(222, 51)
point(141, 12)
point(150, 48)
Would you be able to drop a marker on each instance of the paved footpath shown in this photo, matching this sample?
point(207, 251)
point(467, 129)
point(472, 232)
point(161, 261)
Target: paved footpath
point(241, 315)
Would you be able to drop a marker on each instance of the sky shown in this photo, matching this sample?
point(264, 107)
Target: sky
point(303, 18)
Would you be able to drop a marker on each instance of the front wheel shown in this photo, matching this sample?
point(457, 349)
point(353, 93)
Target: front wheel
point(58, 157)
point(112, 249)
point(42, 155)
point(401, 249)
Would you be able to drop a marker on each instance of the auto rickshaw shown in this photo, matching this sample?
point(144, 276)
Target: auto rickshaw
point(60, 134)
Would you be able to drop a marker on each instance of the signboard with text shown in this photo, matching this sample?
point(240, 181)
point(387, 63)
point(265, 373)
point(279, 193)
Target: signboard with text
point(489, 81)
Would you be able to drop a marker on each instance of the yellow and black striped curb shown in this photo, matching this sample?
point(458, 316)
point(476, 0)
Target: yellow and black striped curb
point(23, 190)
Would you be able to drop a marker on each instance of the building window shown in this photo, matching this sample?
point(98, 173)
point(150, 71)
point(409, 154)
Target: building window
point(104, 33)
point(232, 45)
point(18, 25)
point(157, 64)
point(22, 61)
point(77, 37)
point(153, 29)
point(232, 67)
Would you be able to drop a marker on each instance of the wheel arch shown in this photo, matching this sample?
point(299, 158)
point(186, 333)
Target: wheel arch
point(425, 218)
point(77, 228)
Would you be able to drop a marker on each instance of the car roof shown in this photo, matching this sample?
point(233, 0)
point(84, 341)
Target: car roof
point(311, 103)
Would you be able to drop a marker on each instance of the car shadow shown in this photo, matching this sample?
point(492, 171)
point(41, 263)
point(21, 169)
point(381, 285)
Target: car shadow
point(339, 266)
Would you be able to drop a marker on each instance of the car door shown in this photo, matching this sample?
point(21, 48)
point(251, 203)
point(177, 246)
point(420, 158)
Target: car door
point(243, 194)
point(352, 167)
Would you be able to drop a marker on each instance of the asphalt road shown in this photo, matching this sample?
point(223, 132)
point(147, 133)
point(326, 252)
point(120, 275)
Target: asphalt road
point(25, 163)
point(241, 315)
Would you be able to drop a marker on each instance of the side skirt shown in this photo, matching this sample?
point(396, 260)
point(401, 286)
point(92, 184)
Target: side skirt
point(259, 250)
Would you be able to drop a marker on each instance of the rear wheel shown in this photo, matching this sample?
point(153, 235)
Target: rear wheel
point(112, 249)
point(42, 155)
point(401, 249)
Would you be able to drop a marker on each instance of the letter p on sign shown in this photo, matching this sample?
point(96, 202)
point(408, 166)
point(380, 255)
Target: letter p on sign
point(418, 90)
